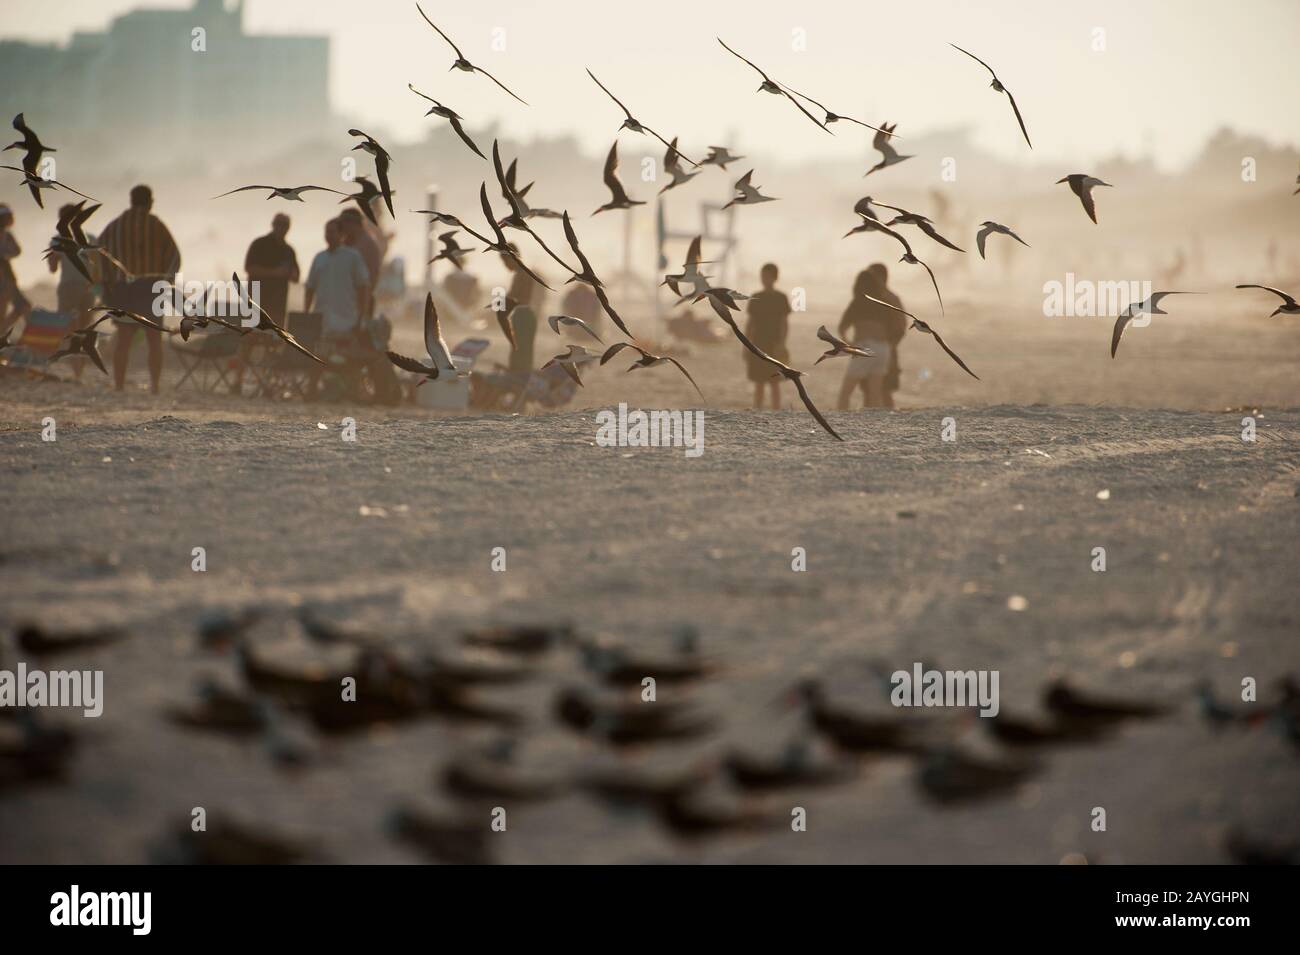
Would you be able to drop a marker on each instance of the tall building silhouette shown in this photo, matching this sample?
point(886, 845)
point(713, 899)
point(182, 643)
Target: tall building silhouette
point(153, 74)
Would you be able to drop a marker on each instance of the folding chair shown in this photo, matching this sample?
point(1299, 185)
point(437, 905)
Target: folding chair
point(43, 331)
point(285, 370)
point(207, 358)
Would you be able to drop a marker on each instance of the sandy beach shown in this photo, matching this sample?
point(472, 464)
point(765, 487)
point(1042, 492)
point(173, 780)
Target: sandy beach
point(974, 553)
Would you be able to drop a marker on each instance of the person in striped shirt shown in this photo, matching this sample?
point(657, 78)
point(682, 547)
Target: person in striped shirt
point(139, 240)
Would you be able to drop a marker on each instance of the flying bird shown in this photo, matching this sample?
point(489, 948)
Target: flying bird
point(190, 322)
point(632, 123)
point(1288, 306)
point(449, 114)
point(83, 342)
point(724, 302)
point(997, 85)
point(71, 241)
point(364, 198)
point(889, 156)
point(382, 160)
point(921, 326)
point(122, 314)
point(673, 166)
point(689, 275)
point(619, 198)
point(35, 183)
point(875, 225)
point(452, 251)
point(290, 193)
point(517, 219)
point(266, 324)
point(776, 89)
point(1081, 184)
point(568, 321)
point(647, 360)
point(572, 360)
point(31, 145)
point(1149, 306)
point(988, 227)
point(747, 195)
point(520, 196)
point(463, 64)
point(836, 117)
point(499, 244)
point(839, 347)
point(434, 344)
point(589, 277)
point(444, 218)
point(924, 223)
point(719, 156)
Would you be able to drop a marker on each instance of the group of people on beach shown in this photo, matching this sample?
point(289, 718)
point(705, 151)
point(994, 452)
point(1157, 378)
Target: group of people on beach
point(341, 281)
point(872, 326)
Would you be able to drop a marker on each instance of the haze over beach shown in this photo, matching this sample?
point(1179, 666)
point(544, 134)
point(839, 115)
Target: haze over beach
point(1011, 458)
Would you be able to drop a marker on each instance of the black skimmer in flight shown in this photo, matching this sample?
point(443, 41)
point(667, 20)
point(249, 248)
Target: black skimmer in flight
point(266, 324)
point(997, 85)
point(449, 114)
point(839, 347)
point(499, 244)
point(988, 227)
point(689, 275)
point(632, 123)
point(83, 342)
point(719, 156)
point(1081, 184)
point(571, 360)
point(71, 241)
point(31, 145)
point(464, 65)
point(589, 277)
point(35, 183)
point(776, 89)
point(924, 223)
point(724, 303)
point(921, 326)
point(568, 321)
point(647, 360)
point(836, 117)
point(747, 195)
point(290, 193)
point(382, 161)
point(440, 362)
point(521, 195)
point(517, 219)
point(451, 250)
point(1288, 306)
point(674, 168)
point(889, 156)
point(875, 225)
point(619, 198)
point(1149, 306)
point(364, 198)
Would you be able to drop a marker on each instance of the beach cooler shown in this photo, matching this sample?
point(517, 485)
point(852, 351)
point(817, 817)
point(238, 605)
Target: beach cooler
point(453, 394)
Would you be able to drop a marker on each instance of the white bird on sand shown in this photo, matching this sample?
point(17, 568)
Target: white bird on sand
point(435, 345)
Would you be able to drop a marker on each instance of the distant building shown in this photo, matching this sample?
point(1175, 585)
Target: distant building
point(143, 77)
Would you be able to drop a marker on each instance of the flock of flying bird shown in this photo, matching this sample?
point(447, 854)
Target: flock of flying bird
point(71, 240)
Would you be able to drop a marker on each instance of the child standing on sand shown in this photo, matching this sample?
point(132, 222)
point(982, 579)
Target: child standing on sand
point(768, 325)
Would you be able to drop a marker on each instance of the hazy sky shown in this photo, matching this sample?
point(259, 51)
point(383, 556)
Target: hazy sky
point(1172, 70)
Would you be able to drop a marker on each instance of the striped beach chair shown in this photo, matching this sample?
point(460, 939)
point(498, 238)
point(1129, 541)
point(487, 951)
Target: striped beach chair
point(43, 331)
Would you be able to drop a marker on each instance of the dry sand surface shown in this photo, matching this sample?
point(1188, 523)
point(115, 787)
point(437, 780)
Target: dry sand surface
point(915, 548)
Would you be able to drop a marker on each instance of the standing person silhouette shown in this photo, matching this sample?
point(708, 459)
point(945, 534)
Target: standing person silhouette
point(139, 240)
point(879, 329)
point(768, 325)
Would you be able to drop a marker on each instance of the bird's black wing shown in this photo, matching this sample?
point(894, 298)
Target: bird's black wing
point(459, 55)
point(976, 59)
point(479, 69)
point(411, 365)
point(381, 170)
point(460, 131)
point(609, 310)
point(812, 408)
point(1019, 119)
point(953, 355)
point(682, 368)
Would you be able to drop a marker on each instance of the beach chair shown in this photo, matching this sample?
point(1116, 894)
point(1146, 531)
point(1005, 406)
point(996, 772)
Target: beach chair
point(43, 331)
point(208, 358)
point(283, 370)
